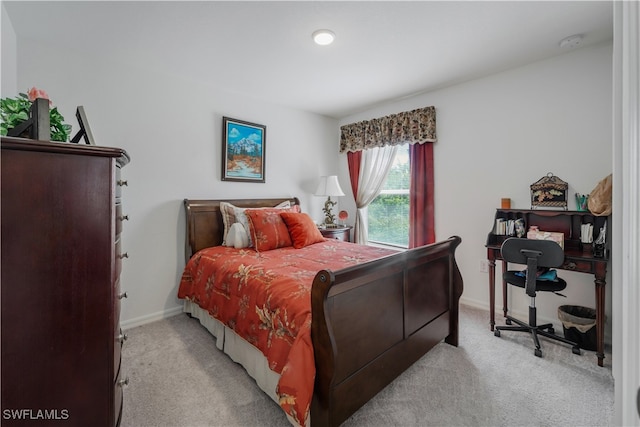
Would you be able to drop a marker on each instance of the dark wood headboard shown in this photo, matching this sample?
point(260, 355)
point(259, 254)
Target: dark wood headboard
point(204, 220)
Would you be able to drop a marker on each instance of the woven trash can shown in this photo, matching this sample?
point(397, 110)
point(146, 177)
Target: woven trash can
point(579, 324)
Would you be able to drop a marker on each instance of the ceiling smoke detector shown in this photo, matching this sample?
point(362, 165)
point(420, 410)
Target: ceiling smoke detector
point(571, 42)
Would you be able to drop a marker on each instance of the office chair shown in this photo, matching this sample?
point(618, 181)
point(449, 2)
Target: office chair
point(534, 254)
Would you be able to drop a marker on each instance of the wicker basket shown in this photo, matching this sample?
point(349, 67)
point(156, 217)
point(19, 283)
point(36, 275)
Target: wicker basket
point(549, 192)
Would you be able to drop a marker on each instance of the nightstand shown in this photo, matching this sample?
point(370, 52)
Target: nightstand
point(339, 233)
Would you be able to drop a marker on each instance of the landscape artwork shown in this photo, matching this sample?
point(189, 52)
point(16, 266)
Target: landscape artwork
point(243, 147)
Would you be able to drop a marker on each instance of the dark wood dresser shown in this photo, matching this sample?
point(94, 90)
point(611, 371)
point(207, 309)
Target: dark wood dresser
point(61, 261)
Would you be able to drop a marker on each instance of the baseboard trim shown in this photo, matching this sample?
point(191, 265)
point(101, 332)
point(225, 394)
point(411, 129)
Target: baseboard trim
point(153, 317)
point(474, 303)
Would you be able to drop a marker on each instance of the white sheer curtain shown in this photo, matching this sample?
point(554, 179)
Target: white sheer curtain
point(374, 168)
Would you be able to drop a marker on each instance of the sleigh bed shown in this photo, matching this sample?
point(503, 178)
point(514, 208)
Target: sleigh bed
point(369, 320)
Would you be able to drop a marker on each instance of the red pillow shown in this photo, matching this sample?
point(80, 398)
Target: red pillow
point(268, 230)
point(303, 230)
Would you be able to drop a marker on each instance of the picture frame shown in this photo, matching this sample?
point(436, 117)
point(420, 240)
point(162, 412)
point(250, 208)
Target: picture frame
point(243, 151)
point(85, 130)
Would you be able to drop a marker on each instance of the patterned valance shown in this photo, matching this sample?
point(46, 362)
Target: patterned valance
point(413, 127)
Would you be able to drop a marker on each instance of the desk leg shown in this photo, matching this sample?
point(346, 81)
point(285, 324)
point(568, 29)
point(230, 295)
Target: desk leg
point(505, 309)
point(492, 293)
point(600, 297)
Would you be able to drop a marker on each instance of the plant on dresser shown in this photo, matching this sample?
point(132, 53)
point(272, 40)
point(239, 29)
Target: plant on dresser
point(15, 114)
point(61, 216)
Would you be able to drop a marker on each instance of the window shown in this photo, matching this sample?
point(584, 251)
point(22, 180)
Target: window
point(388, 214)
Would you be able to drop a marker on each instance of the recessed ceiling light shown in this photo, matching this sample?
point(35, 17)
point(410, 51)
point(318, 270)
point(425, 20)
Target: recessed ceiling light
point(323, 37)
point(571, 41)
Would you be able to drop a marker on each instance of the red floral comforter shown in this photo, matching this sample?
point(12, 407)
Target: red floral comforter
point(266, 298)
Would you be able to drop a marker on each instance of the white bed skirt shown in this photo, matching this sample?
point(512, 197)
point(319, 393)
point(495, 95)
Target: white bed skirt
point(240, 351)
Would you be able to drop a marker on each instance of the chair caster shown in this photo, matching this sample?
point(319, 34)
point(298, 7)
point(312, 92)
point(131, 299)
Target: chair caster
point(537, 352)
point(508, 321)
point(496, 333)
point(576, 350)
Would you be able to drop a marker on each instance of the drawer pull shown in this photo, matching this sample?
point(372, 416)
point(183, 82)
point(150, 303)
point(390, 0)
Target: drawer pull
point(123, 295)
point(122, 338)
point(124, 218)
point(123, 382)
point(571, 266)
point(122, 183)
point(124, 255)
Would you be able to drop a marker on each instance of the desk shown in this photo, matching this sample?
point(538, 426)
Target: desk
point(576, 259)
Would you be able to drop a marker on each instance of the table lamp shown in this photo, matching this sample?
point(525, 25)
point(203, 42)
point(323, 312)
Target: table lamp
point(329, 186)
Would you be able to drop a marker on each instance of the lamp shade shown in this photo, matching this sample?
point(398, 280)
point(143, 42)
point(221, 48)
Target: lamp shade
point(329, 186)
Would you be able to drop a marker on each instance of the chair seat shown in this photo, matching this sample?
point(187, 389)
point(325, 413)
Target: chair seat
point(541, 285)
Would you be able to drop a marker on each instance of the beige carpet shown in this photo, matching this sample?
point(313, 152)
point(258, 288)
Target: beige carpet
point(179, 378)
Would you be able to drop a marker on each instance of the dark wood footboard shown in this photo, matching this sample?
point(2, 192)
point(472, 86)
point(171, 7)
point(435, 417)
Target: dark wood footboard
point(372, 321)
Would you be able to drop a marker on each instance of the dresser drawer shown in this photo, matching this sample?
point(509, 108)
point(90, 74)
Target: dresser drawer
point(118, 398)
point(338, 233)
point(117, 353)
point(119, 219)
point(117, 360)
point(117, 332)
point(578, 265)
point(119, 183)
point(118, 259)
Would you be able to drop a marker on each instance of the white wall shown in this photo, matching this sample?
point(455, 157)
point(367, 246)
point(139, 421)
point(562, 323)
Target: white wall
point(9, 70)
point(496, 136)
point(500, 134)
point(172, 129)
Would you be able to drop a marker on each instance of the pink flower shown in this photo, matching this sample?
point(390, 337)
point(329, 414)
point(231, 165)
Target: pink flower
point(35, 93)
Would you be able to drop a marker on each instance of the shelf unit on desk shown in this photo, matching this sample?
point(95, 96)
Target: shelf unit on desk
point(578, 257)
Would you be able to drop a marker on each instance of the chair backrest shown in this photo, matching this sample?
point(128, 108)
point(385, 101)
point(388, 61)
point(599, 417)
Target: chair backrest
point(534, 254)
point(515, 250)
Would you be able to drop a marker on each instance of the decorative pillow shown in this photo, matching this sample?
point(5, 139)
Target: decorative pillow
point(302, 229)
point(267, 229)
point(241, 217)
point(228, 219)
point(237, 236)
point(229, 211)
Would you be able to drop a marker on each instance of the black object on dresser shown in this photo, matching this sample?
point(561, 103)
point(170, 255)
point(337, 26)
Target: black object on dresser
point(61, 262)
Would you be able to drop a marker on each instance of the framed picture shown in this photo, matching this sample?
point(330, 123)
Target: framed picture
point(243, 148)
point(85, 130)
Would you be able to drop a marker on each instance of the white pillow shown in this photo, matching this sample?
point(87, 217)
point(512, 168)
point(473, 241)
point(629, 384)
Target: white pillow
point(228, 218)
point(239, 234)
point(229, 212)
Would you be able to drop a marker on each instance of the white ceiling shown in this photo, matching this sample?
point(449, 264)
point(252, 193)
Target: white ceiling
point(383, 50)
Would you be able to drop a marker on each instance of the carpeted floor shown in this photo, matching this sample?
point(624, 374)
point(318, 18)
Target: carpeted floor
point(179, 378)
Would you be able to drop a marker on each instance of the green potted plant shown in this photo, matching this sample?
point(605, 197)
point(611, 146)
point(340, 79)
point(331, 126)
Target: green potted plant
point(14, 111)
